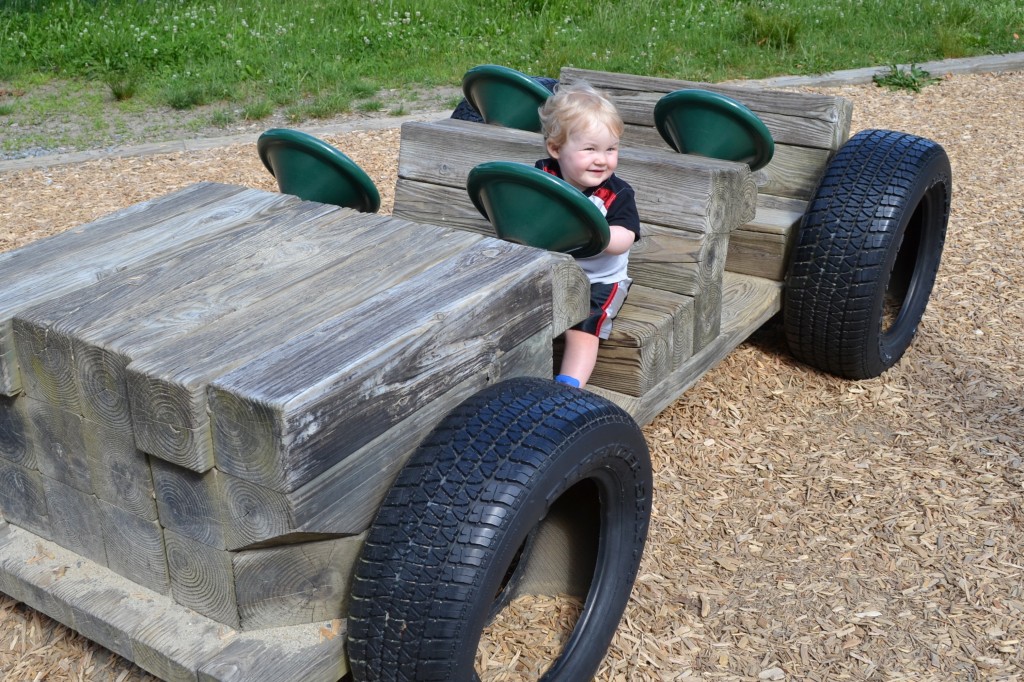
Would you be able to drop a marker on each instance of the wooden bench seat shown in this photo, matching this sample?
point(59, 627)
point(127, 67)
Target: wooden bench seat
point(808, 129)
point(688, 207)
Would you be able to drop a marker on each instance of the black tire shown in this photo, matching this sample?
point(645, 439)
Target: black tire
point(867, 254)
point(467, 112)
point(453, 537)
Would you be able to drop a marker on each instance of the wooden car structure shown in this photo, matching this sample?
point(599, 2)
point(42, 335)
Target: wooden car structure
point(249, 437)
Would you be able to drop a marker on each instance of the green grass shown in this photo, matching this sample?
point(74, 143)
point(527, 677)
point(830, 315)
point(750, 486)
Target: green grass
point(320, 57)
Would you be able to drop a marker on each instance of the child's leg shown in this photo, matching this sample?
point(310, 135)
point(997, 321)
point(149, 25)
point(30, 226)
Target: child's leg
point(580, 355)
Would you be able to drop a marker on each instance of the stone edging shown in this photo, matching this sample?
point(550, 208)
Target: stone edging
point(989, 64)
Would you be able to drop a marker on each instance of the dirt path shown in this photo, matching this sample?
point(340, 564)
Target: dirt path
point(805, 528)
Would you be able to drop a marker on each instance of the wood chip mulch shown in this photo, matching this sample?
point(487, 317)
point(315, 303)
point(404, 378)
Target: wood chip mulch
point(805, 527)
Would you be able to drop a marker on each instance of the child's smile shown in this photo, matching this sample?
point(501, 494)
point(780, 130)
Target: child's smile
point(588, 157)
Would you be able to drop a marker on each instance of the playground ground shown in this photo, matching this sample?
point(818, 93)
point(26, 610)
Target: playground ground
point(805, 527)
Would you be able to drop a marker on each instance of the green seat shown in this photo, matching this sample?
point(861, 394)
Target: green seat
point(311, 169)
point(504, 96)
point(525, 205)
point(710, 124)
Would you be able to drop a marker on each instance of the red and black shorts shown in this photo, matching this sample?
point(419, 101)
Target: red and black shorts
point(605, 302)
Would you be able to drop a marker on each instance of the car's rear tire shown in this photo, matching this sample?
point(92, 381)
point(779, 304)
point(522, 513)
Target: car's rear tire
point(867, 253)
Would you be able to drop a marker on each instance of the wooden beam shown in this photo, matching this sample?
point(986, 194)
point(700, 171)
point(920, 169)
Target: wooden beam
point(671, 189)
point(164, 638)
point(75, 520)
point(227, 512)
point(82, 256)
point(15, 444)
point(135, 548)
point(202, 578)
point(295, 584)
point(805, 119)
point(24, 498)
point(287, 416)
point(167, 382)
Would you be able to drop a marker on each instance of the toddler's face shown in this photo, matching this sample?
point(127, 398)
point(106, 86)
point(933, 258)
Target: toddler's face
point(588, 157)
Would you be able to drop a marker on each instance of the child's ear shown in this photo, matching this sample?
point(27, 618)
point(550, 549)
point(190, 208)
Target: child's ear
point(552, 149)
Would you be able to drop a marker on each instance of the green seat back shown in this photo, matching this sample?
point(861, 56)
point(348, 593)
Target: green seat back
point(504, 96)
point(526, 205)
point(714, 125)
point(311, 169)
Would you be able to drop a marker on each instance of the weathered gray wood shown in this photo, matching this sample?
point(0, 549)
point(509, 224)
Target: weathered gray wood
point(676, 190)
point(289, 415)
point(59, 440)
point(15, 445)
point(148, 628)
point(638, 352)
point(81, 256)
point(158, 644)
point(119, 471)
point(311, 653)
point(295, 584)
point(202, 578)
point(749, 302)
point(190, 503)
point(73, 348)
point(761, 247)
point(23, 499)
point(75, 520)
point(344, 499)
point(135, 548)
point(167, 382)
point(792, 172)
point(683, 249)
point(680, 311)
point(804, 119)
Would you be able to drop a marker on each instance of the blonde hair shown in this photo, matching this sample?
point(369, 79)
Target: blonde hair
point(574, 107)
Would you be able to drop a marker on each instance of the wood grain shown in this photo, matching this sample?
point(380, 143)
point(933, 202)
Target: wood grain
point(82, 256)
point(289, 415)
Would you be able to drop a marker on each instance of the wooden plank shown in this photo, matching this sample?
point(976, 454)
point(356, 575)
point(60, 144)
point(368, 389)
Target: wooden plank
point(15, 445)
point(344, 499)
point(806, 119)
point(749, 302)
point(202, 578)
point(73, 348)
point(684, 191)
point(761, 247)
point(167, 382)
point(638, 352)
point(306, 653)
point(81, 256)
point(119, 471)
point(135, 548)
point(287, 416)
point(59, 442)
point(680, 311)
point(793, 171)
point(295, 584)
point(162, 637)
point(190, 503)
point(23, 499)
point(75, 520)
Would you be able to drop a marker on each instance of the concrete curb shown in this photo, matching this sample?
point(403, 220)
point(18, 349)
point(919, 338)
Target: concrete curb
point(989, 64)
point(206, 142)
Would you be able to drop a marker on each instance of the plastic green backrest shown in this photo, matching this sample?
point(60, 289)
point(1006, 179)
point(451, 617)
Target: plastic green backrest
point(528, 206)
point(311, 169)
point(504, 96)
point(713, 125)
